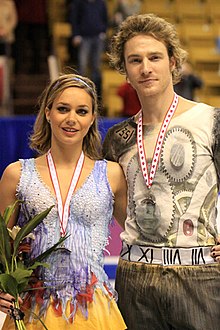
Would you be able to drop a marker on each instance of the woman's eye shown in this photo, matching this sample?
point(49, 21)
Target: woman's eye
point(82, 111)
point(62, 109)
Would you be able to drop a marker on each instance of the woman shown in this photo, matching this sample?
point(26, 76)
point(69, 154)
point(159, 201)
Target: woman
point(8, 22)
point(86, 192)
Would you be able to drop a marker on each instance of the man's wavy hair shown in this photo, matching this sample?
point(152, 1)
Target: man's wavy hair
point(147, 24)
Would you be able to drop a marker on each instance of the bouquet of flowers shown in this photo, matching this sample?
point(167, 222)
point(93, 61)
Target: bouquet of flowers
point(15, 273)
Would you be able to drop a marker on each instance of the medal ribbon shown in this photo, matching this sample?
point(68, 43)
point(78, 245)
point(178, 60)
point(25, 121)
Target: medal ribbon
point(149, 178)
point(63, 210)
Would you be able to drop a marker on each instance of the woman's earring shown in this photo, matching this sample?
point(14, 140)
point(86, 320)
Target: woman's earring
point(48, 120)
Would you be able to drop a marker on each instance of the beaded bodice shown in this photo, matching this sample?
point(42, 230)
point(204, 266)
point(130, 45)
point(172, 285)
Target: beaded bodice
point(71, 269)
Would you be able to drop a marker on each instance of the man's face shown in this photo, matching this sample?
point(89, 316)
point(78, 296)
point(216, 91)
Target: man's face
point(148, 67)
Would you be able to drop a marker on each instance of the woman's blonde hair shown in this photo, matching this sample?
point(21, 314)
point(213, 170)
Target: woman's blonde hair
point(147, 24)
point(40, 140)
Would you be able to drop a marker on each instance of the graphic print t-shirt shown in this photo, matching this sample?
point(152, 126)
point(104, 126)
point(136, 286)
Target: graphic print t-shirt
point(185, 187)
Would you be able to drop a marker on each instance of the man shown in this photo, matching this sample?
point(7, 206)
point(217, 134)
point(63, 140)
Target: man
point(89, 21)
point(167, 277)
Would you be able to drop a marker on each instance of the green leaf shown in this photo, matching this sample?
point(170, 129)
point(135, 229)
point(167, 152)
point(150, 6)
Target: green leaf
point(21, 274)
point(25, 230)
point(9, 211)
point(28, 289)
point(37, 264)
point(9, 284)
point(24, 286)
point(5, 246)
point(49, 251)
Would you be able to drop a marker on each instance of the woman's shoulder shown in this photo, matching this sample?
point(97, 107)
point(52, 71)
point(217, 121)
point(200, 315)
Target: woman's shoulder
point(11, 175)
point(13, 169)
point(114, 169)
point(113, 165)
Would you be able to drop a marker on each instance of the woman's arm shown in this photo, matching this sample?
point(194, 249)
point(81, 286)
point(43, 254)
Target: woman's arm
point(8, 185)
point(119, 187)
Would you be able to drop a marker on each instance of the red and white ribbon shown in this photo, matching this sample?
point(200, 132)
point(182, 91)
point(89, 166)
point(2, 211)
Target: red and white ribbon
point(63, 210)
point(149, 178)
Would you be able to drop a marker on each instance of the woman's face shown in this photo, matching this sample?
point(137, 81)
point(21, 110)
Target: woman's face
point(71, 116)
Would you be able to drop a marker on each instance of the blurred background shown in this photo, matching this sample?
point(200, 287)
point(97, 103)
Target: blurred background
point(41, 44)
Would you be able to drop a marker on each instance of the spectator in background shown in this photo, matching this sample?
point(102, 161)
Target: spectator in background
point(31, 35)
point(8, 21)
point(89, 20)
point(189, 82)
point(131, 103)
point(124, 9)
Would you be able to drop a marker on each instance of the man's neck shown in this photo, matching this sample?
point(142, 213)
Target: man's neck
point(154, 109)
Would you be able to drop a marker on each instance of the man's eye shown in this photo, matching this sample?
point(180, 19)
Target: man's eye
point(154, 58)
point(135, 60)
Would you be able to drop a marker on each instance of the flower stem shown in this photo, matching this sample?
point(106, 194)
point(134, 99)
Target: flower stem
point(18, 317)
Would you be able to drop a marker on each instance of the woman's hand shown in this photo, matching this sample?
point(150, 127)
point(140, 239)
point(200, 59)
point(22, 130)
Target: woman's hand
point(215, 252)
point(7, 303)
